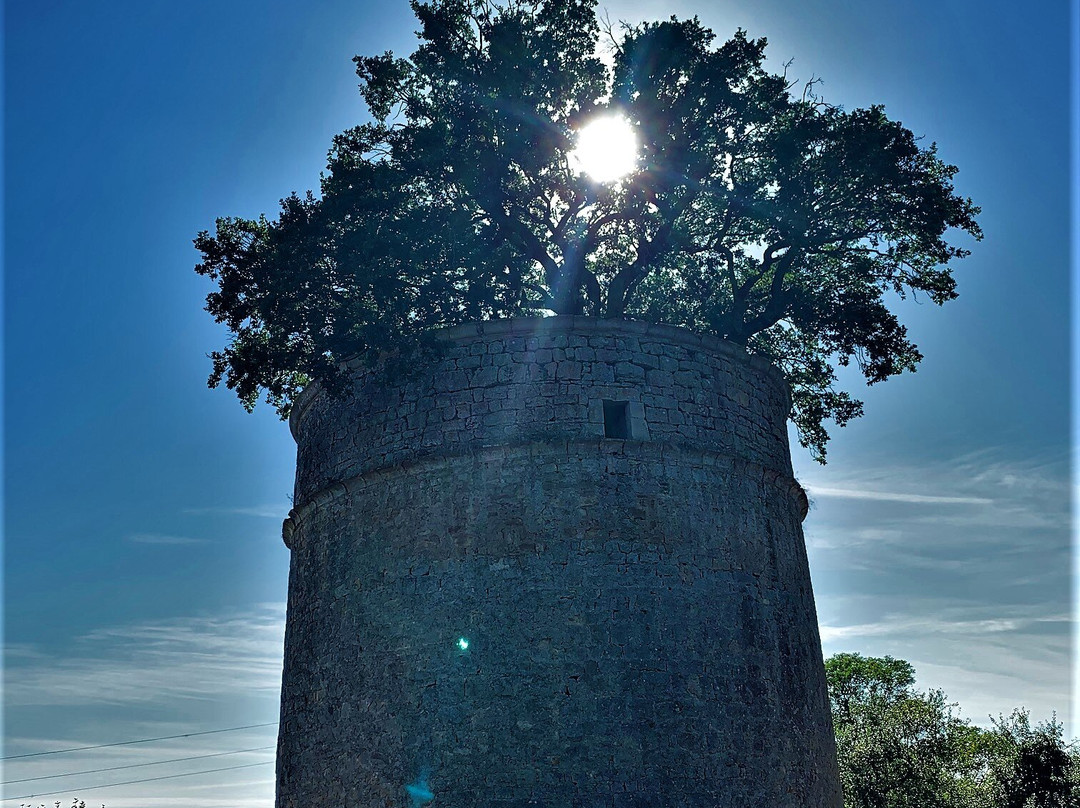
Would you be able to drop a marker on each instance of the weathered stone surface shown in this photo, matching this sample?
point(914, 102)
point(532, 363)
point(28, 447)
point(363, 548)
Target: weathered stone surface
point(640, 625)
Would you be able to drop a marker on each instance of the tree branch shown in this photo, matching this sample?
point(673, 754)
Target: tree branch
point(777, 301)
point(627, 279)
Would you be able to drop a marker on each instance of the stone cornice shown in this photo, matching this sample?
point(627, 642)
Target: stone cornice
point(642, 450)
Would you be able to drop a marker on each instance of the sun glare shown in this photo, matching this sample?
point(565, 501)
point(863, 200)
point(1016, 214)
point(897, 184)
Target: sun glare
point(607, 149)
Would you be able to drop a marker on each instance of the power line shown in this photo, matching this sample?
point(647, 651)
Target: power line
point(136, 765)
point(144, 740)
point(131, 782)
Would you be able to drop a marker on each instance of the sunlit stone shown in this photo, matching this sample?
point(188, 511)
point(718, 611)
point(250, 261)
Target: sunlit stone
point(607, 149)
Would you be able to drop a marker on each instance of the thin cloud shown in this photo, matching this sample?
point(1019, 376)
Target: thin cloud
point(820, 538)
point(1021, 516)
point(259, 511)
point(960, 566)
point(159, 538)
point(153, 679)
point(958, 504)
point(907, 625)
point(202, 658)
point(979, 478)
point(991, 658)
point(22, 651)
point(896, 496)
point(986, 694)
point(251, 788)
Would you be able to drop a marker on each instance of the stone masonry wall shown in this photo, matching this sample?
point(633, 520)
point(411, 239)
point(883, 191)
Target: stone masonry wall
point(502, 382)
point(491, 604)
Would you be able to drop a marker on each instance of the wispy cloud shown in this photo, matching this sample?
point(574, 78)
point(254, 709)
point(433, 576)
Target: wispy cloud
point(906, 625)
point(894, 496)
point(206, 658)
point(159, 538)
point(974, 478)
point(985, 694)
point(279, 511)
point(974, 500)
point(961, 566)
point(989, 657)
point(13, 651)
point(152, 679)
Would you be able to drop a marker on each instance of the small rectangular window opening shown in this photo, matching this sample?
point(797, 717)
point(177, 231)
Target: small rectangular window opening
point(617, 420)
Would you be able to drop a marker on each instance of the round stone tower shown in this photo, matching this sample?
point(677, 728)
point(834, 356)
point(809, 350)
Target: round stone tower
point(561, 564)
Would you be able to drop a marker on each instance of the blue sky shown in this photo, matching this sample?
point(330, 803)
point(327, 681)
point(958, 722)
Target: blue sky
point(144, 571)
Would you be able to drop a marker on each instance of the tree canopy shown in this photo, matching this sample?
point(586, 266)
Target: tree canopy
point(756, 211)
point(899, 747)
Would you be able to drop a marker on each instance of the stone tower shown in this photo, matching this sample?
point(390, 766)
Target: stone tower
point(560, 565)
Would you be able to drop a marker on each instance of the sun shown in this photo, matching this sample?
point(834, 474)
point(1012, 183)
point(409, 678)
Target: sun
point(607, 149)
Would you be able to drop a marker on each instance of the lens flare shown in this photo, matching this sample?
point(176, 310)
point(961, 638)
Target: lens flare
point(607, 149)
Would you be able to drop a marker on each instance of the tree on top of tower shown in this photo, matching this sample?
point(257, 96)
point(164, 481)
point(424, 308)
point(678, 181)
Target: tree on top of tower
point(752, 212)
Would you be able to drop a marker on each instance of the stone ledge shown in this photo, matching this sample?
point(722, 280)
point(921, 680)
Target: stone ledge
point(648, 451)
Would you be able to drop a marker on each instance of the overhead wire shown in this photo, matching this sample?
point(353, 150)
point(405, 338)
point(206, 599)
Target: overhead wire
point(143, 740)
point(136, 765)
point(132, 782)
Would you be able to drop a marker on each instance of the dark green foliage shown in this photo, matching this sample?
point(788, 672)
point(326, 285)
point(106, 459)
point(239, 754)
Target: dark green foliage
point(896, 747)
point(901, 748)
point(1030, 767)
point(776, 221)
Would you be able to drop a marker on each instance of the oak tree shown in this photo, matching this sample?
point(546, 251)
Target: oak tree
point(756, 211)
point(899, 747)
